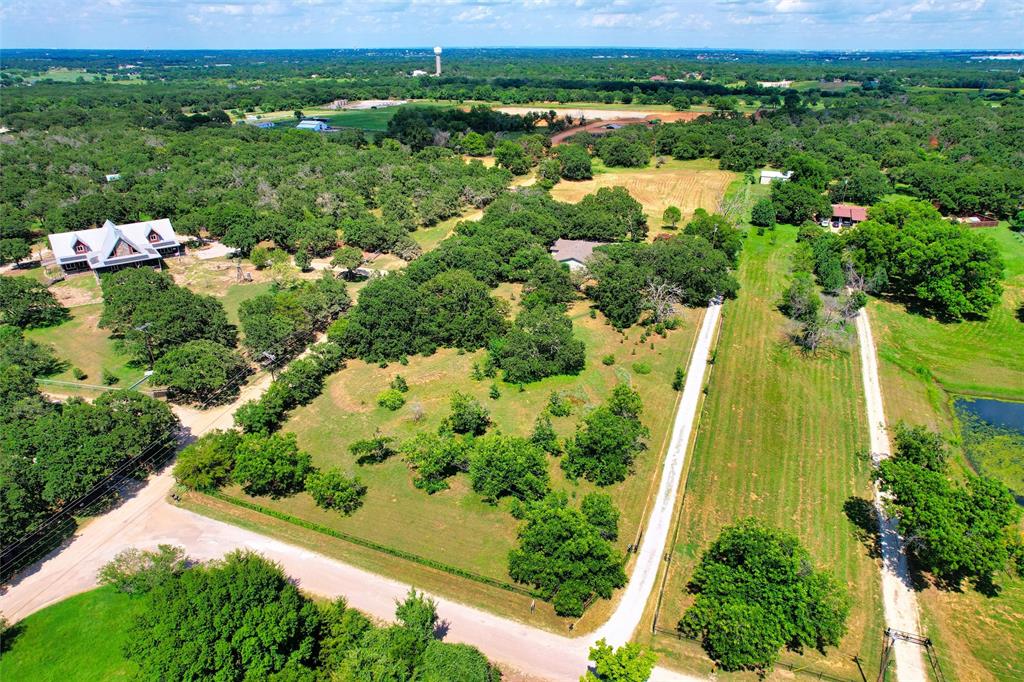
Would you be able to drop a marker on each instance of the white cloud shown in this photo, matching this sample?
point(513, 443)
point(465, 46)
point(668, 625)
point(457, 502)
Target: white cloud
point(474, 14)
point(366, 23)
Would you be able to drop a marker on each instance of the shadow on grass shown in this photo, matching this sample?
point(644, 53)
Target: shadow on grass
point(864, 517)
point(9, 634)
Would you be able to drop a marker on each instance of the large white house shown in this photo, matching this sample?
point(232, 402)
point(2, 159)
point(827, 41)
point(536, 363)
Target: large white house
point(112, 247)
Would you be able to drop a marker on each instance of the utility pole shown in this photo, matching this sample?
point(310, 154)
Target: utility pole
point(267, 359)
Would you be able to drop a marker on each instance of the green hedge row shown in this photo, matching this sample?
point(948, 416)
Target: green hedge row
point(369, 544)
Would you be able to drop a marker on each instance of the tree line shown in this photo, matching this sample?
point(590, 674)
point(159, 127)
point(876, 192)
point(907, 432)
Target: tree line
point(959, 154)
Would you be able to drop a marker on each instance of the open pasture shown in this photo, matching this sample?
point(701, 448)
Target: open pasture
point(689, 185)
point(477, 536)
point(780, 438)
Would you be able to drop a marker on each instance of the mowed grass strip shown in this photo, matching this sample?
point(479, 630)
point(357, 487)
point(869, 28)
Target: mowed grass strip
point(779, 439)
point(78, 639)
point(454, 526)
point(978, 357)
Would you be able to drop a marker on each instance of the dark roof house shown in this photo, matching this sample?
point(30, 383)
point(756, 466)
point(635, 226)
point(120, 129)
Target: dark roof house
point(573, 252)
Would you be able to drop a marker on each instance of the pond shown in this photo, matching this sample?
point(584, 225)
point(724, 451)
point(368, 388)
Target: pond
point(993, 439)
point(1002, 414)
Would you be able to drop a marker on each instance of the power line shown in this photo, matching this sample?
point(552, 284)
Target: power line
point(47, 529)
point(149, 455)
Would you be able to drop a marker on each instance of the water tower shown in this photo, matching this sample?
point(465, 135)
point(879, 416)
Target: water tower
point(437, 60)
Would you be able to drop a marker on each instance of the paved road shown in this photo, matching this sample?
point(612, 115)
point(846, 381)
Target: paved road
point(147, 519)
point(620, 627)
point(898, 596)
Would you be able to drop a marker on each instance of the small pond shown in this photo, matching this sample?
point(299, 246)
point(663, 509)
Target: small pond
point(993, 439)
point(1002, 414)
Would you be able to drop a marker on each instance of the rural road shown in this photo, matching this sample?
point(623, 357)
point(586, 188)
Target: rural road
point(898, 596)
point(146, 519)
point(620, 627)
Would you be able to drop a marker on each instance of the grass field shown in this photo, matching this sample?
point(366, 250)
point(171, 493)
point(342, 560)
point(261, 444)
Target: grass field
point(688, 185)
point(81, 343)
point(372, 120)
point(921, 363)
point(76, 640)
point(477, 536)
point(973, 357)
point(779, 439)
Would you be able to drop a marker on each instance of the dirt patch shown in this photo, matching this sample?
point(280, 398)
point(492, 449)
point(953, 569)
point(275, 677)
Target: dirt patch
point(598, 125)
point(656, 189)
point(211, 276)
point(72, 293)
point(591, 114)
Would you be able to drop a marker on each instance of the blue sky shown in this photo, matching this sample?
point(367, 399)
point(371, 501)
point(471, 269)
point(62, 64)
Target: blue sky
point(778, 24)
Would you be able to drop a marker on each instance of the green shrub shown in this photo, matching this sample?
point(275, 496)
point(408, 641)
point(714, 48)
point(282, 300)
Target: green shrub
point(134, 571)
point(641, 368)
point(467, 416)
point(207, 463)
point(608, 360)
point(334, 490)
point(391, 399)
point(399, 383)
point(79, 374)
point(559, 405)
point(109, 378)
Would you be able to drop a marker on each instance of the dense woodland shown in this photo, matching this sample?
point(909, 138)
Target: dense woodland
point(962, 155)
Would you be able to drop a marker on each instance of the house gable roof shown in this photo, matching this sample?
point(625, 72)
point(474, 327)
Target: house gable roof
point(579, 250)
point(855, 213)
point(102, 242)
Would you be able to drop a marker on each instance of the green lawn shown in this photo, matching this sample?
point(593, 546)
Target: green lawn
point(77, 639)
point(779, 438)
point(81, 343)
point(237, 294)
point(922, 362)
point(375, 120)
point(973, 357)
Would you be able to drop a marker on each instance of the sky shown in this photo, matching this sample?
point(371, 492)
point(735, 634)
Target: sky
point(754, 24)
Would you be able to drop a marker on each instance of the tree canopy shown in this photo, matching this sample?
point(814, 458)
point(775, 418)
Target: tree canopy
point(951, 270)
point(27, 304)
point(563, 555)
point(756, 592)
point(959, 530)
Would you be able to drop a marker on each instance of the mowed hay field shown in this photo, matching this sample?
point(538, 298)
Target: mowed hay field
point(922, 364)
point(778, 439)
point(606, 113)
point(688, 185)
